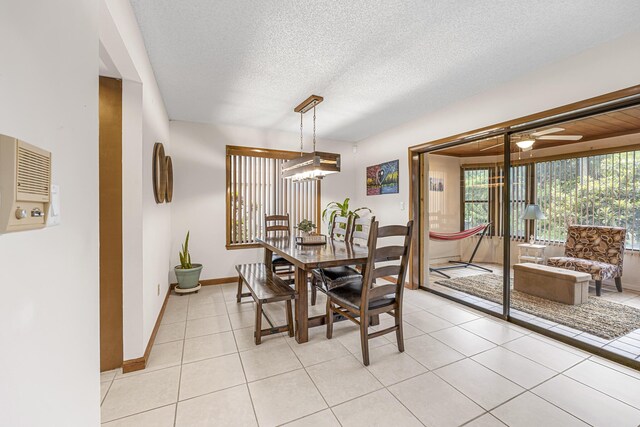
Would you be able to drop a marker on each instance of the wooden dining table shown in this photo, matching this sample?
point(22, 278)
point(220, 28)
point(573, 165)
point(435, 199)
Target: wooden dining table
point(305, 258)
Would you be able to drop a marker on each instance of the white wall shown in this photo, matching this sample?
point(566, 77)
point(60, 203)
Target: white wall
point(199, 201)
point(133, 317)
point(443, 207)
point(49, 309)
point(146, 225)
point(606, 68)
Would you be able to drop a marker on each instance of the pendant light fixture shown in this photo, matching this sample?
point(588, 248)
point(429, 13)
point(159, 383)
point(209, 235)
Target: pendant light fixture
point(315, 165)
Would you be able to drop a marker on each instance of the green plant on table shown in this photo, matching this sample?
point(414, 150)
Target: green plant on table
point(306, 226)
point(185, 256)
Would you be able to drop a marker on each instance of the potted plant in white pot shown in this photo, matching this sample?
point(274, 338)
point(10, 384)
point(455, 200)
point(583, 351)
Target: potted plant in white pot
point(187, 273)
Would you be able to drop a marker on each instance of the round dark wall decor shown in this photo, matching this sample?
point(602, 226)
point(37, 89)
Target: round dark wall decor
point(159, 173)
point(169, 169)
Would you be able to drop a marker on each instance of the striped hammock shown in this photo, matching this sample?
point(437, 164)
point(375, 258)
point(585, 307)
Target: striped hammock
point(458, 235)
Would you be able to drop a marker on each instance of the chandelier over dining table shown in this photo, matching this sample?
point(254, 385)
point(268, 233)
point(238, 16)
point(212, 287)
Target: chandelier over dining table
point(316, 164)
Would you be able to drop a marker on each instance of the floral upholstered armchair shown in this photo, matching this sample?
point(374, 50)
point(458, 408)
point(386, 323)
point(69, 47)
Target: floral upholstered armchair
point(596, 250)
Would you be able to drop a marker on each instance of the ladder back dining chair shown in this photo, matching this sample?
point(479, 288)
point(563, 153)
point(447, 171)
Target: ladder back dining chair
point(358, 301)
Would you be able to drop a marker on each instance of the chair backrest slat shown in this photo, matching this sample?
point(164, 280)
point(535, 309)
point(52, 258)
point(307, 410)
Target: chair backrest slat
point(370, 292)
point(386, 271)
point(380, 291)
point(391, 230)
point(360, 228)
point(389, 253)
point(277, 225)
point(340, 228)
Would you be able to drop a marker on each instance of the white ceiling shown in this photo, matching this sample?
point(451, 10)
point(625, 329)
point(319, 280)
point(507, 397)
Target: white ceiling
point(378, 63)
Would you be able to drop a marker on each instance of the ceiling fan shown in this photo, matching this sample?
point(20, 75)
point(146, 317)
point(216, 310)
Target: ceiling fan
point(525, 141)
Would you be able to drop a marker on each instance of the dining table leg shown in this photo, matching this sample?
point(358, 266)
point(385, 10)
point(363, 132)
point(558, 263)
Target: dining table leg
point(302, 309)
point(268, 258)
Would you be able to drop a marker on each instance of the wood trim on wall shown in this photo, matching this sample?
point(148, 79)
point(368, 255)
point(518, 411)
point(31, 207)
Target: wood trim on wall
point(110, 226)
point(227, 215)
point(140, 363)
point(132, 365)
point(415, 211)
point(219, 281)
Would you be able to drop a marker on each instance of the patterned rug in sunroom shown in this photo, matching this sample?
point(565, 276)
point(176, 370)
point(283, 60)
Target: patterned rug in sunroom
point(605, 319)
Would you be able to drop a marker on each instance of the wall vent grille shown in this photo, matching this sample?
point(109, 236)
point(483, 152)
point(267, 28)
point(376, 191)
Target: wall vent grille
point(33, 173)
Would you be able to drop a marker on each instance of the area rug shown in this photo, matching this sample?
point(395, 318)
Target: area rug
point(599, 317)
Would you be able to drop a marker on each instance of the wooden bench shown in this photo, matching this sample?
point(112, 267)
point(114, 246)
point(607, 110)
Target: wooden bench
point(265, 287)
point(552, 283)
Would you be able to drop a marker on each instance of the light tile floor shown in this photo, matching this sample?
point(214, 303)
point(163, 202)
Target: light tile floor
point(460, 367)
point(627, 346)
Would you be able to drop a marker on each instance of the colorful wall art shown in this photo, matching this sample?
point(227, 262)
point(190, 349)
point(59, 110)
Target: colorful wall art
point(383, 178)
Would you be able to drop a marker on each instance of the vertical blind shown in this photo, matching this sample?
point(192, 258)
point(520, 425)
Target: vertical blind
point(518, 202)
point(594, 190)
point(599, 190)
point(256, 189)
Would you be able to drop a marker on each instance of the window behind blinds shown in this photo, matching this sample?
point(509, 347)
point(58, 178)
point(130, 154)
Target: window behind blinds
point(594, 190)
point(255, 189)
point(476, 197)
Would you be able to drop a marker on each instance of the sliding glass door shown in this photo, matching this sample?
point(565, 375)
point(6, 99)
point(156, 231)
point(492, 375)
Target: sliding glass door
point(463, 250)
point(540, 224)
point(575, 264)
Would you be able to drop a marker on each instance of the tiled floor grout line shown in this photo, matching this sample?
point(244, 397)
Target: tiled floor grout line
point(562, 373)
point(107, 392)
point(402, 403)
point(336, 417)
point(302, 417)
point(524, 390)
point(594, 359)
point(208, 393)
point(357, 397)
point(175, 415)
point(312, 381)
point(561, 346)
point(480, 416)
point(137, 413)
point(553, 404)
point(599, 391)
point(255, 415)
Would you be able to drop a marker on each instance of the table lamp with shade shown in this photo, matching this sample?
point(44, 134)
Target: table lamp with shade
point(532, 212)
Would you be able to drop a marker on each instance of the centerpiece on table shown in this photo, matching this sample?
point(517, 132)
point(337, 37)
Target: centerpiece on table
point(307, 237)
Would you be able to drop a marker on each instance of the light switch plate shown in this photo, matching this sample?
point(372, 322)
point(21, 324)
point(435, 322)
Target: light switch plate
point(54, 207)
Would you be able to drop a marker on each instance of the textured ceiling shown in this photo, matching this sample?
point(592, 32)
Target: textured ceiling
point(378, 63)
